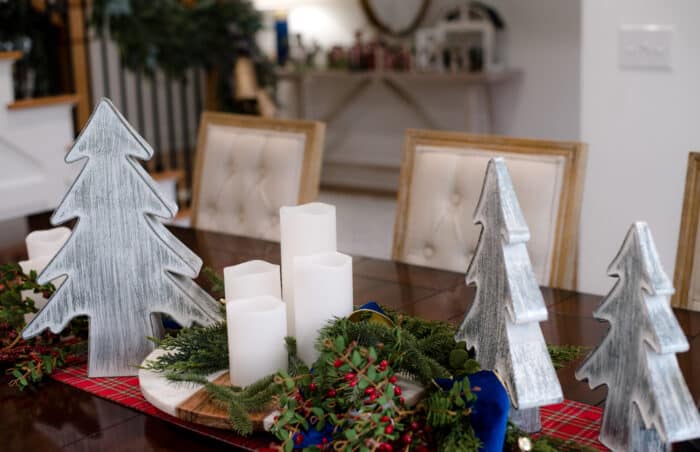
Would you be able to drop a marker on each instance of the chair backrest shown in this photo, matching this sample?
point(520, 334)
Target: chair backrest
point(441, 178)
point(687, 273)
point(248, 167)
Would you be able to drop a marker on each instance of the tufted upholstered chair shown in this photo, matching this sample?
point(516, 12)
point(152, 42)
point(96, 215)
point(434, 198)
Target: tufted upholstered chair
point(441, 178)
point(687, 272)
point(248, 167)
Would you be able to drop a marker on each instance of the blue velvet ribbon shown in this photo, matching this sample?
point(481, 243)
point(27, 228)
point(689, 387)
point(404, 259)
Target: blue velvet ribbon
point(489, 417)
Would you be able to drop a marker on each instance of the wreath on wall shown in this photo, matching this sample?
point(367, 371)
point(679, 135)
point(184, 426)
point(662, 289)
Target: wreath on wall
point(374, 18)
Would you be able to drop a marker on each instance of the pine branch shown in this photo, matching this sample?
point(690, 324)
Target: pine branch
point(562, 355)
point(295, 364)
point(197, 350)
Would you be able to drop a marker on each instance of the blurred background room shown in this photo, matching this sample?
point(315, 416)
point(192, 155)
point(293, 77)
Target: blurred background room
point(617, 81)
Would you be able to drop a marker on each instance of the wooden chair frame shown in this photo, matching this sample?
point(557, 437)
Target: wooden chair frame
point(685, 256)
point(564, 256)
point(313, 149)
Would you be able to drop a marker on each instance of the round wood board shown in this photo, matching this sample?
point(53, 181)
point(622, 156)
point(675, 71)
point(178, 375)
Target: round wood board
point(188, 401)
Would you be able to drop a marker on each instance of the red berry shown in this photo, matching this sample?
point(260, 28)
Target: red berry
point(397, 390)
point(406, 438)
point(383, 364)
point(384, 419)
point(386, 447)
point(338, 362)
point(415, 426)
point(352, 383)
point(313, 387)
point(331, 393)
point(349, 376)
point(389, 429)
point(369, 390)
point(392, 379)
point(372, 397)
point(402, 401)
point(324, 440)
point(299, 439)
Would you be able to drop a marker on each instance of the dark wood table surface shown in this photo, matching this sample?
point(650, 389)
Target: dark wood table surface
point(60, 417)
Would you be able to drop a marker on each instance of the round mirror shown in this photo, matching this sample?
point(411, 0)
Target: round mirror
point(395, 18)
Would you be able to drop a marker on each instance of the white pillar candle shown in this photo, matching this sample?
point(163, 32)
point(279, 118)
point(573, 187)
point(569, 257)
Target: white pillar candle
point(42, 246)
point(256, 330)
point(46, 242)
point(322, 291)
point(251, 279)
point(304, 230)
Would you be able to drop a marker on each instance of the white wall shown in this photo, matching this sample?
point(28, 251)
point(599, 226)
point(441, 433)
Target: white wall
point(640, 126)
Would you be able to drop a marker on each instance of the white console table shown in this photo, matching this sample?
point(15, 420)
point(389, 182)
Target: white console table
point(337, 171)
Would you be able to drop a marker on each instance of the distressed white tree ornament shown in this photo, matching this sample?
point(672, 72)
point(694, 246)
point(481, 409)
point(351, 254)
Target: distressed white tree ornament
point(502, 324)
point(648, 405)
point(123, 267)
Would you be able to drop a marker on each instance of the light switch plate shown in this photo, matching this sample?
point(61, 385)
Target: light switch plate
point(645, 46)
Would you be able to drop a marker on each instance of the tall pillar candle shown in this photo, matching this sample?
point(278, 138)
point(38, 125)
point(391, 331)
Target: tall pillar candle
point(252, 279)
point(256, 328)
point(322, 291)
point(304, 230)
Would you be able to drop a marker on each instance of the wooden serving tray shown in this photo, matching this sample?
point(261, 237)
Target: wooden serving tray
point(189, 401)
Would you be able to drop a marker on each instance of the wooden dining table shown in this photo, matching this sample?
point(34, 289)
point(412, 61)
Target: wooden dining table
point(59, 417)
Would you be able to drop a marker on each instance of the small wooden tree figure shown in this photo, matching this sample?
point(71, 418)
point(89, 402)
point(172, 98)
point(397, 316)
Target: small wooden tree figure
point(648, 404)
point(503, 322)
point(123, 266)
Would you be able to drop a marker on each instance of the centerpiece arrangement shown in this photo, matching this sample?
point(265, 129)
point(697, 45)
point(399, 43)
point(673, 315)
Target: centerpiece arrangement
point(303, 363)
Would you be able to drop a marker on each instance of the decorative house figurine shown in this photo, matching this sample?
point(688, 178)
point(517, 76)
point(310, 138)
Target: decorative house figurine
point(503, 322)
point(123, 267)
point(648, 405)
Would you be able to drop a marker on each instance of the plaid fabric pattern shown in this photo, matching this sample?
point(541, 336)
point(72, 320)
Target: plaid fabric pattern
point(568, 420)
point(575, 421)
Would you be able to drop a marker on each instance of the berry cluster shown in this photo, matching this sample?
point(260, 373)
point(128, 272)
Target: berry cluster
point(353, 400)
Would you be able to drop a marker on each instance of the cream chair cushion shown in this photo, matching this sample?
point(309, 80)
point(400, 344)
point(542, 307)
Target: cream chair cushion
point(445, 189)
point(247, 174)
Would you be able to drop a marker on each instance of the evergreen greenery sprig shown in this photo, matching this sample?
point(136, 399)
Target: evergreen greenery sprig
point(562, 355)
point(193, 352)
point(29, 361)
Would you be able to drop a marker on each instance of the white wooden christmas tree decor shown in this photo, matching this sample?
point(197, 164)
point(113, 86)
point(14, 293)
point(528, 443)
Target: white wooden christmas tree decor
point(123, 267)
point(502, 324)
point(648, 406)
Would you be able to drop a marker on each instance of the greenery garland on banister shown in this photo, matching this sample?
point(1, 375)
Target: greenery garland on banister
point(177, 35)
point(353, 398)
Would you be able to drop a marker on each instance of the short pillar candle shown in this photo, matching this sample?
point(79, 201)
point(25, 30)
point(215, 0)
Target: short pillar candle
point(252, 279)
point(256, 328)
point(322, 291)
point(304, 230)
point(42, 246)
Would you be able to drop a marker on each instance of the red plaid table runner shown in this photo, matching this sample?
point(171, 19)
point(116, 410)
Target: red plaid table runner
point(568, 420)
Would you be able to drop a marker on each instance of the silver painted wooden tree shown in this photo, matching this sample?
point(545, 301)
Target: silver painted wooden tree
point(502, 324)
point(648, 405)
point(123, 267)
